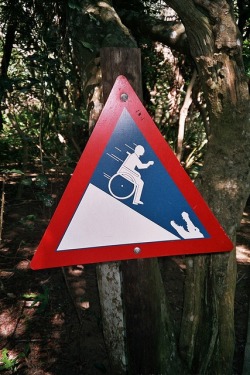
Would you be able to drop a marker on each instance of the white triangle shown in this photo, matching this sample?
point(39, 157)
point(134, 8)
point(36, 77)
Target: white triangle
point(101, 220)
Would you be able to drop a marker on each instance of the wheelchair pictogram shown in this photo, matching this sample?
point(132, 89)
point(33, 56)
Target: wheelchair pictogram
point(127, 181)
point(122, 186)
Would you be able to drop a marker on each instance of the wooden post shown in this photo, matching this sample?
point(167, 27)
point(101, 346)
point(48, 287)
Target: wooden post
point(148, 346)
point(115, 62)
point(121, 61)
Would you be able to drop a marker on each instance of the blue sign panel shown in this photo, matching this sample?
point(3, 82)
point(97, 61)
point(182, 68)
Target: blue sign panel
point(131, 172)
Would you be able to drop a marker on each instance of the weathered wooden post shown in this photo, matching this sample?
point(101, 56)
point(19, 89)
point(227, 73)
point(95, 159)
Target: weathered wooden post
point(115, 62)
point(147, 346)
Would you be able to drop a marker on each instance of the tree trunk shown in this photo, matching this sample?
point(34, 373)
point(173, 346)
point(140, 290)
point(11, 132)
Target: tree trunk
point(183, 115)
point(207, 332)
point(151, 339)
point(109, 286)
point(115, 62)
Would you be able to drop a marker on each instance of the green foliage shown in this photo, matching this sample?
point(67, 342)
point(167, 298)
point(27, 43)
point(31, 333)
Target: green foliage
point(165, 92)
point(158, 78)
point(43, 103)
point(74, 5)
point(12, 171)
point(246, 56)
point(41, 299)
point(194, 149)
point(11, 363)
point(39, 186)
point(41, 183)
point(28, 221)
point(42, 90)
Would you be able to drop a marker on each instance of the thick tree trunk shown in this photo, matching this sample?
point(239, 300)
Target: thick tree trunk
point(207, 333)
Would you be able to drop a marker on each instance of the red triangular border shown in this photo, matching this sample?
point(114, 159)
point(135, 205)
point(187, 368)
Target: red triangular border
point(46, 255)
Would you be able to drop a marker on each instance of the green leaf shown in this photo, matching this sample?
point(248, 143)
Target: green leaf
point(26, 182)
point(7, 363)
point(29, 295)
point(87, 45)
point(17, 171)
point(41, 181)
point(74, 6)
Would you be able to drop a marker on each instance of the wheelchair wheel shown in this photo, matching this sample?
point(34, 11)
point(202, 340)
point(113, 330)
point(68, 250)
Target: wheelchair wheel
point(121, 186)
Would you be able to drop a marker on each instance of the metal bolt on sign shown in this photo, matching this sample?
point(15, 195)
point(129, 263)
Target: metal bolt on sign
point(137, 250)
point(124, 97)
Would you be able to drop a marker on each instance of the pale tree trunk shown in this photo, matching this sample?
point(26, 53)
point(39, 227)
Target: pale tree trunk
point(183, 116)
point(207, 332)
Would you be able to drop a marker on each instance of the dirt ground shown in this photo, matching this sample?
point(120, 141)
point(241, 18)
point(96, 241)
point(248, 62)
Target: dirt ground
point(50, 320)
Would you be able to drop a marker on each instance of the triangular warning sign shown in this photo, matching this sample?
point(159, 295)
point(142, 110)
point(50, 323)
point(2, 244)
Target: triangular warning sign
point(128, 196)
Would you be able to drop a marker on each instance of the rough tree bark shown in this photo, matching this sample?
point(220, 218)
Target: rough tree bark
point(115, 62)
point(207, 332)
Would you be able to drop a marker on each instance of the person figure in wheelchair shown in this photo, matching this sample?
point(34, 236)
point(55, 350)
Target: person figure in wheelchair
point(129, 172)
